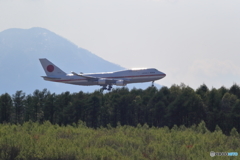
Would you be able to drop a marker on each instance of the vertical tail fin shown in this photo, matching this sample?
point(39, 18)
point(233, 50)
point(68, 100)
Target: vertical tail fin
point(51, 69)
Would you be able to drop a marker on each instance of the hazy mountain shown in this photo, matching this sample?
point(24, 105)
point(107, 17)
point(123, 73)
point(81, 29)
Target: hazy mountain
point(20, 68)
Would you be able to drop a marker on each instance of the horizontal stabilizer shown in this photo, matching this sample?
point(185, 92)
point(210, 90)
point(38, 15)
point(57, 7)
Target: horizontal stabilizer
point(50, 78)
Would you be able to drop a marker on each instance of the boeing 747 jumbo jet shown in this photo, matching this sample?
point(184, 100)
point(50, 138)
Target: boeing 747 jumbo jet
point(106, 79)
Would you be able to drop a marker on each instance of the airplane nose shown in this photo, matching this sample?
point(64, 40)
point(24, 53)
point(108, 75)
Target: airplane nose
point(163, 74)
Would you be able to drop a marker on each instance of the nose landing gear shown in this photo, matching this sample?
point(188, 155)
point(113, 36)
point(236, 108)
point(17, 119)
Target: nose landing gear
point(152, 83)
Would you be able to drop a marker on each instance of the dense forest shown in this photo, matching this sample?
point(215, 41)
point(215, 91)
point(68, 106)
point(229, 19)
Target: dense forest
point(177, 105)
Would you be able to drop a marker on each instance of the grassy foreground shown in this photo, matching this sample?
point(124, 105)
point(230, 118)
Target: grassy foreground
point(34, 141)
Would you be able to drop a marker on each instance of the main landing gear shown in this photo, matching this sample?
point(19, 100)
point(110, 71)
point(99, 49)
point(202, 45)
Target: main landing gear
point(106, 88)
point(109, 87)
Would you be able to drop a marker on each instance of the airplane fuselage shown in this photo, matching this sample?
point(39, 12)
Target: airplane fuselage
point(118, 78)
point(128, 76)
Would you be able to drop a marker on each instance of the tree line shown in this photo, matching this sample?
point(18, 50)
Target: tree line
point(176, 105)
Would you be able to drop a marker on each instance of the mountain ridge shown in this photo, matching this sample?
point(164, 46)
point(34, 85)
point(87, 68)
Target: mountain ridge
point(20, 50)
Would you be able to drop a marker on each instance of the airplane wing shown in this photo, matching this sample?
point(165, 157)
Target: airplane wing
point(88, 77)
point(108, 80)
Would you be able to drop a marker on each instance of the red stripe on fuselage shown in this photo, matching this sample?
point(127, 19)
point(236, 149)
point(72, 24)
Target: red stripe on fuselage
point(110, 77)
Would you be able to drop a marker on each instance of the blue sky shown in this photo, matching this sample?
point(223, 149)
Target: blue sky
point(192, 41)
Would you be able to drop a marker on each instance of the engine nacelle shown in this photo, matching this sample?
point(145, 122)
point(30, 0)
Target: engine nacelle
point(120, 83)
point(102, 81)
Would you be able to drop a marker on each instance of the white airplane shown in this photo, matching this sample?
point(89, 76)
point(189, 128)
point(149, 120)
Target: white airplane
point(106, 79)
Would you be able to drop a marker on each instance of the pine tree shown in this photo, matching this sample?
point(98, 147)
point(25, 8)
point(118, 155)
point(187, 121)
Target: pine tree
point(5, 108)
point(18, 107)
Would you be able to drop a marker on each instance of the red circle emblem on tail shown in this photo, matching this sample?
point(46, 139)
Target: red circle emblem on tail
point(50, 68)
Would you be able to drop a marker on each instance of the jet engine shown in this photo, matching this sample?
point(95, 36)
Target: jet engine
point(120, 83)
point(102, 81)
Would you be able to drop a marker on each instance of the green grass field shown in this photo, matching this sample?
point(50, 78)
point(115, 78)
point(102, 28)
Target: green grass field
point(34, 141)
